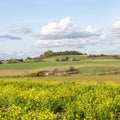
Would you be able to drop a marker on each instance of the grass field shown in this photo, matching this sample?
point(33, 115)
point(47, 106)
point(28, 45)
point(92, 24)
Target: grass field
point(84, 65)
point(56, 99)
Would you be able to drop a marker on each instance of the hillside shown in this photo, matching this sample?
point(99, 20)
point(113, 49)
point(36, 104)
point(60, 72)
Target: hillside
point(84, 63)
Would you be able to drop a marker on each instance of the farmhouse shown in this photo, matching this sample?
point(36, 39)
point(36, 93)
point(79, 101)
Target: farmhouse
point(60, 72)
point(46, 73)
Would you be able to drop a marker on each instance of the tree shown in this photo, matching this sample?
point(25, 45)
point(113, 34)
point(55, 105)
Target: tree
point(12, 60)
point(48, 53)
point(71, 68)
point(0, 62)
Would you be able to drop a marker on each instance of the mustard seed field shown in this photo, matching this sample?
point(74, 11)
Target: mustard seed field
point(55, 99)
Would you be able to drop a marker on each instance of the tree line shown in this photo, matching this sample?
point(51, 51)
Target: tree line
point(50, 53)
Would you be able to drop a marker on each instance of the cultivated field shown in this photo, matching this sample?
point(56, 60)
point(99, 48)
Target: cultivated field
point(38, 99)
point(84, 64)
point(92, 94)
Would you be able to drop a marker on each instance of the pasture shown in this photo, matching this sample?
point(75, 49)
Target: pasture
point(85, 65)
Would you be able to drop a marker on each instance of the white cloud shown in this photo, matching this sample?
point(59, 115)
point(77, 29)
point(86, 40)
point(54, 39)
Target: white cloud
point(116, 25)
point(92, 30)
point(65, 33)
point(72, 43)
point(116, 29)
point(23, 30)
point(65, 29)
point(103, 37)
point(62, 27)
point(112, 35)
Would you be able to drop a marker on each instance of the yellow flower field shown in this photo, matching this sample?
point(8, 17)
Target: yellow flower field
point(32, 99)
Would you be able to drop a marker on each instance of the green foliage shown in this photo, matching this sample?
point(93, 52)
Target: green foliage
point(12, 60)
point(36, 74)
point(71, 68)
point(50, 53)
point(28, 99)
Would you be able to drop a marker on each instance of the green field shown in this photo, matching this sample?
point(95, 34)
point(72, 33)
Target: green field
point(39, 99)
point(84, 64)
point(35, 65)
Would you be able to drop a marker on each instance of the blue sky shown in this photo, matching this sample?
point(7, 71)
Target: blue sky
point(30, 27)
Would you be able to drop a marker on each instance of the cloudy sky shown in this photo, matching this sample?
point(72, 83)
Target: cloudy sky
point(30, 27)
